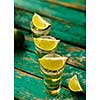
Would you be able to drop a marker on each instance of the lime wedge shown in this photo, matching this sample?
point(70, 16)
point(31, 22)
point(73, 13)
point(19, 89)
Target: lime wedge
point(53, 63)
point(74, 84)
point(39, 22)
point(46, 44)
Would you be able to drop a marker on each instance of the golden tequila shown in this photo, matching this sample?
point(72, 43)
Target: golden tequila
point(52, 74)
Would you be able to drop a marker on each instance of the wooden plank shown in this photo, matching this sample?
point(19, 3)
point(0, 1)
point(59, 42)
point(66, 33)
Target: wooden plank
point(76, 55)
point(69, 3)
point(28, 62)
point(79, 2)
point(26, 87)
point(71, 34)
point(56, 11)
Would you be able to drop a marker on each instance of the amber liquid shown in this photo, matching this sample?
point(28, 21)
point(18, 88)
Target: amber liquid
point(52, 80)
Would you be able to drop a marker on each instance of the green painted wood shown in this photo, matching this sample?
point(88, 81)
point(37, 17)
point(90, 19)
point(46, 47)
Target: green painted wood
point(56, 11)
point(71, 34)
point(79, 2)
point(77, 55)
point(76, 5)
point(28, 62)
point(27, 87)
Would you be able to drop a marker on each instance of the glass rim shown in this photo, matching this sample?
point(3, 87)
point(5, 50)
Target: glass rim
point(52, 54)
point(47, 36)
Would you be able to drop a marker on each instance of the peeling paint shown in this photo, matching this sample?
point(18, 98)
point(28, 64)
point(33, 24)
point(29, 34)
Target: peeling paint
point(81, 59)
point(28, 38)
point(18, 77)
point(73, 49)
point(74, 62)
point(37, 98)
point(30, 59)
point(27, 94)
point(26, 74)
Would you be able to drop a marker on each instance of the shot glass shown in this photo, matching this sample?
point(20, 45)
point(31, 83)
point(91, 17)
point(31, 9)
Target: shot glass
point(41, 51)
point(52, 76)
point(40, 32)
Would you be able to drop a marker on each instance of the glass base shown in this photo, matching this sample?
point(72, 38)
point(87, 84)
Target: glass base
point(53, 92)
point(52, 81)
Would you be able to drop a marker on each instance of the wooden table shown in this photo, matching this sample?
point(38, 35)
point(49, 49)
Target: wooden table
point(68, 24)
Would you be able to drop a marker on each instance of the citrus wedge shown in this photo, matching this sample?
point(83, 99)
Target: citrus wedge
point(74, 84)
point(52, 63)
point(39, 22)
point(46, 44)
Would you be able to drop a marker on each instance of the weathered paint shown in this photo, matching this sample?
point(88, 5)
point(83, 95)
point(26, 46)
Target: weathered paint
point(79, 2)
point(71, 33)
point(23, 62)
point(77, 55)
point(52, 10)
point(29, 88)
point(71, 23)
point(73, 5)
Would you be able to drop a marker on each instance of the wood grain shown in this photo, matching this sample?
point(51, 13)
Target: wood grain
point(71, 34)
point(53, 10)
point(67, 4)
point(29, 88)
point(22, 61)
point(77, 56)
point(68, 24)
point(79, 2)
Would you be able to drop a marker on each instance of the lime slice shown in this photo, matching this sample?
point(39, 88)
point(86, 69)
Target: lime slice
point(39, 22)
point(46, 44)
point(52, 63)
point(74, 84)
